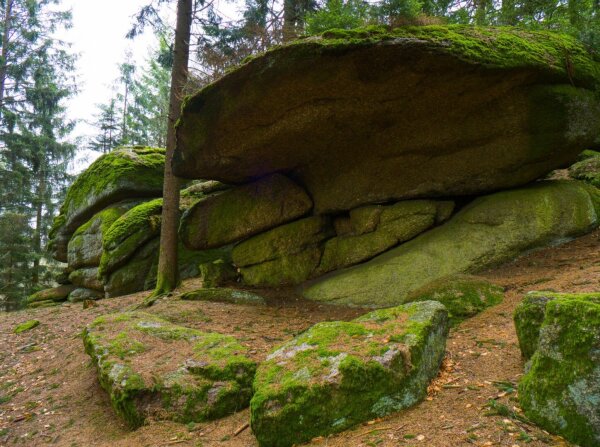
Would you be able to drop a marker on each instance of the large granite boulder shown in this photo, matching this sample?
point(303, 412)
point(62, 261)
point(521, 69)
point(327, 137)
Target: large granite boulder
point(491, 230)
point(530, 313)
point(561, 390)
point(359, 117)
point(126, 173)
point(85, 246)
point(132, 276)
point(86, 278)
point(244, 211)
point(154, 369)
point(338, 374)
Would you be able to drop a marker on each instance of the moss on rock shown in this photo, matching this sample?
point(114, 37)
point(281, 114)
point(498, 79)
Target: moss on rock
point(487, 232)
point(55, 294)
point(588, 169)
point(130, 172)
point(561, 390)
point(206, 376)
point(338, 374)
point(463, 295)
point(217, 273)
point(223, 295)
point(530, 313)
point(26, 326)
point(87, 278)
point(82, 294)
point(288, 269)
point(243, 211)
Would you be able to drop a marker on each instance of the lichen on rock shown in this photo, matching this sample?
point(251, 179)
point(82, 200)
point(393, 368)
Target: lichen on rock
point(205, 376)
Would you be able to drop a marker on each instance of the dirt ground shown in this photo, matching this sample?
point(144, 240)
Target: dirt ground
point(49, 393)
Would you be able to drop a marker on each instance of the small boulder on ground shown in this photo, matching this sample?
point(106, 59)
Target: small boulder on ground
point(338, 374)
point(154, 369)
point(560, 392)
point(53, 295)
point(242, 212)
point(224, 295)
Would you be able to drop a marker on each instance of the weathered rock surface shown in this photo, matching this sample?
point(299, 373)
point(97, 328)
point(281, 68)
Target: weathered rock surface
point(490, 230)
point(244, 211)
point(561, 390)
point(217, 273)
point(86, 278)
point(321, 110)
point(224, 295)
point(56, 294)
point(85, 247)
point(588, 169)
point(287, 254)
point(338, 374)
point(128, 234)
point(126, 173)
point(132, 276)
point(463, 295)
point(82, 294)
point(377, 228)
point(153, 368)
point(530, 313)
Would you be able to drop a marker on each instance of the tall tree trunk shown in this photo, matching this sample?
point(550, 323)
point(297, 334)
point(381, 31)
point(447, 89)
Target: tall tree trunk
point(124, 125)
point(4, 54)
point(168, 271)
point(37, 235)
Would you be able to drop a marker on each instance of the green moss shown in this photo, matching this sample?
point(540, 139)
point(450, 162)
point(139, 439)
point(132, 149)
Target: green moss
point(128, 233)
point(286, 270)
point(464, 296)
point(587, 170)
point(561, 390)
point(136, 171)
point(530, 313)
point(223, 295)
point(26, 326)
point(217, 273)
point(211, 379)
point(337, 374)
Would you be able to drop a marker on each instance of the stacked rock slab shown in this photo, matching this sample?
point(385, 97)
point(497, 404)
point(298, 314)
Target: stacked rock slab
point(338, 374)
point(561, 388)
point(331, 112)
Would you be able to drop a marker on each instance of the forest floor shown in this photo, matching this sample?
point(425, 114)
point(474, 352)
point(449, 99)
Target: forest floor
point(49, 392)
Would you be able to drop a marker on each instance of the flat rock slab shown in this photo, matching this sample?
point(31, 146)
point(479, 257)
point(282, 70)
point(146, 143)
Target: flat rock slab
point(372, 116)
point(561, 390)
point(490, 230)
point(242, 212)
point(224, 295)
point(55, 294)
point(153, 368)
point(338, 374)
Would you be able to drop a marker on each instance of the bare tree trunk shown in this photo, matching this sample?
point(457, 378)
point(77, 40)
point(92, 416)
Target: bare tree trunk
point(168, 271)
point(37, 236)
point(4, 54)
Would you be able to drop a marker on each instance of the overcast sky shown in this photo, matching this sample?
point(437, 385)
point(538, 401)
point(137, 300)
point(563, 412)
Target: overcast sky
point(98, 36)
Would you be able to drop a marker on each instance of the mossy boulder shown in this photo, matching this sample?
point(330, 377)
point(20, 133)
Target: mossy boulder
point(530, 313)
point(153, 368)
point(463, 295)
point(83, 294)
point(561, 390)
point(338, 374)
point(588, 169)
point(126, 173)
point(217, 273)
point(287, 254)
point(321, 109)
point(224, 295)
point(87, 278)
point(132, 277)
point(242, 212)
point(85, 247)
point(55, 294)
point(377, 228)
point(490, 230)
point(26, 326)
point(128, 233)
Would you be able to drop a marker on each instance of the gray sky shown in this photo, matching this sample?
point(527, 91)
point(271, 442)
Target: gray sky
point(98, 36)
